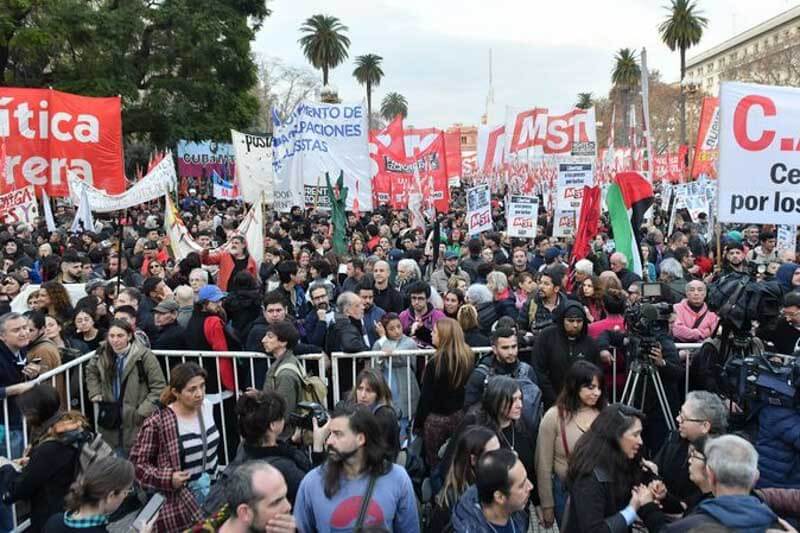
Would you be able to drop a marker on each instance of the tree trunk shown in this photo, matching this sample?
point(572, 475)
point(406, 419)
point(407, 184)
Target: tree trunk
point(683, 96)
point(626, 119)
point(324, 75)
point(369, 105)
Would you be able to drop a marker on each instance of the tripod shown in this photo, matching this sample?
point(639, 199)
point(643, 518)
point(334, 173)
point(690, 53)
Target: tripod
point(644, 371)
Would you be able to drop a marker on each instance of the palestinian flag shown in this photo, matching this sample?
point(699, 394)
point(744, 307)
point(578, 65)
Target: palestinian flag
point(629, 197)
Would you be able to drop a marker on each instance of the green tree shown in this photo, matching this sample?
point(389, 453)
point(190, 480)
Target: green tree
point(682, 29)
point(184, 68)
point(394, 104)
point(324, 43)
point(585, 101)
point(368, 72)
point(625, 76)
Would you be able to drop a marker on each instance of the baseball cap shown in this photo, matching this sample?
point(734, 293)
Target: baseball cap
point(210, 293)
point(167, 306)
point(450, 255)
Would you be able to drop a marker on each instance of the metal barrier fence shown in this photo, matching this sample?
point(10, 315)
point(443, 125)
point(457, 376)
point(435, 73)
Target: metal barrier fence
point(73, 390)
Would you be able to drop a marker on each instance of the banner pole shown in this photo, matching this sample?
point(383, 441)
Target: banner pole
point(123, 213)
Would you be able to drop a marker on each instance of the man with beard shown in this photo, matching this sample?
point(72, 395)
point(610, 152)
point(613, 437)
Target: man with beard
point(355, 473)
point(420, 317)
point(441, 277)
point(235, 259)
point(372, 313)
point(320, 316)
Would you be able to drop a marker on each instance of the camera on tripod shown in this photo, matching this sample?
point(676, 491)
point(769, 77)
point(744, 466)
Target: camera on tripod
point(644, 318)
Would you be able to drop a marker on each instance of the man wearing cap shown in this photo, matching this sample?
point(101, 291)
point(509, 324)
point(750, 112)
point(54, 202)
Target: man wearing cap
point(206, 332)
point(169, 335)
point(449, 269)
point(235, 259)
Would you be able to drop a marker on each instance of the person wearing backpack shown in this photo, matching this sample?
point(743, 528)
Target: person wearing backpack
point(52, 462)
point(504, 361)
point(283, 376)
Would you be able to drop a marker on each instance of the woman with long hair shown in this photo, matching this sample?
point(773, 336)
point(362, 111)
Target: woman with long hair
point(372, 391)
point(176, 450)
point(52, 460)
point(591, 295)
point(470, 326)
point(441, 400)
point(68, 347)
point(243, 304)
point(453, 300)
point(93, 497)
point(469, 445)
point(399, 372)
point(579, 403)
point(54, 300)
point(125, 380)
point(606, 463)
point(357, 247)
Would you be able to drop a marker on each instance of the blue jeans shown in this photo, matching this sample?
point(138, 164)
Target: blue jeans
point(559, 498)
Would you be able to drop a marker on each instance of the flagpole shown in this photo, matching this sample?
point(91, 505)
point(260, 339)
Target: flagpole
point(123, 213)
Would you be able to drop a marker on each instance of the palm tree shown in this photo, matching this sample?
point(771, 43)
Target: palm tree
point(324, 43)
point(368, 72)
point(585, 101)
point(625, 76)
point(682, 29)
point(394, 104)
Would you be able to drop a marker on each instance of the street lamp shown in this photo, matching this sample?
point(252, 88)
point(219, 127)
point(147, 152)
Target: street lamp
point(688, 85)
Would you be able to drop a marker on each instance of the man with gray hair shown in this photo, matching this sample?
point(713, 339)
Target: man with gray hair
point(619, 265)
point(14, 368)
point(184, 297)
point(347, 334)
point(732, 470)
point(256, 499)
point(584, 269)
point(702, 414)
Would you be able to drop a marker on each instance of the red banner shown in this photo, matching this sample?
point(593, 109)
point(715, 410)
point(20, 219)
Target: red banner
point(398, 173)
point(670, 167)
point(47, 133)
point(452, 149)
point(384, 143)
point(706, 150)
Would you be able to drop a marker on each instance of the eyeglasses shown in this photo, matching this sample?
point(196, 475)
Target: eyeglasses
point(683, 418)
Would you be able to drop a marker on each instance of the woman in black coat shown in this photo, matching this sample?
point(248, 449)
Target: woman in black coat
point(53, 457)
point(243, 304)
point(606, 476)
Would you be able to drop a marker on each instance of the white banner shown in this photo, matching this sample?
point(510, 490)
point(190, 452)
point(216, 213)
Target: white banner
point(254, 166)
point(319, 138)
point(521, 215)
point(787, 237)
point(759, 154)
point(158, 182)
point(572, 177)
point(479, 209)
point(532, 132)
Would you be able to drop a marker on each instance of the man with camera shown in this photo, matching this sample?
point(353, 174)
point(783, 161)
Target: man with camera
point(784, 332)
point(356, 487)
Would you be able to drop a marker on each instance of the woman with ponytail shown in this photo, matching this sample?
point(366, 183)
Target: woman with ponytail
point(165, 454)
point(93, 497)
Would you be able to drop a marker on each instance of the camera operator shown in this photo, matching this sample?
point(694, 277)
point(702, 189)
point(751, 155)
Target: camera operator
point(784, 332)
point(650, 333)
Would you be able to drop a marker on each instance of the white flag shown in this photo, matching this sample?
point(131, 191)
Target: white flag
point(83, 216)
point(48, 212)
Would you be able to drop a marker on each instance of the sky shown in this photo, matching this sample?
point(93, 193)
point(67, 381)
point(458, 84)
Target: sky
point(436, 53)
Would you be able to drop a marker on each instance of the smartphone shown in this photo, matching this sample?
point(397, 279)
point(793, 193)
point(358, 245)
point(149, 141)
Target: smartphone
point(146, 515)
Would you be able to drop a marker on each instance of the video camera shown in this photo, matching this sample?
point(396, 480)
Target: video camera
point(769, 378)
point(644, 318)
point(302, 416)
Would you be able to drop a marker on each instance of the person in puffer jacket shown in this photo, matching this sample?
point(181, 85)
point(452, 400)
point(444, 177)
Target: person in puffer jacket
point(481, 501)
point(694, 321)
point(778, 447)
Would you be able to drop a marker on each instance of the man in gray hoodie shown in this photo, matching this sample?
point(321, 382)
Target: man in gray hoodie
point(498, 500)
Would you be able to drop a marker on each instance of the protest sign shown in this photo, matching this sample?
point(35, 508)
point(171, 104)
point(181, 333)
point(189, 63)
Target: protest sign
point(317, 138)
point(479, 209)
point(572, 178)
point(198, 159)
point(19, 206)
point(254, 167)
point(224, 189)
point(759, 159)
point(564, 222)
point(706, 152)
point(46, 134)
point(787, 237)
point(572, 133)
point(521, 216)
point(158, 182)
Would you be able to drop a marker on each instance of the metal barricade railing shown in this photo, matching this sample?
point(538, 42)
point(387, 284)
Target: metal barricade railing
point(385, 361)
point(690, 346)
point(73, 391)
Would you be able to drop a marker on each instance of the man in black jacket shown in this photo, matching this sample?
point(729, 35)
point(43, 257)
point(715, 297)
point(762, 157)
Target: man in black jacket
point(386, 297)
point(558, 346)
point(347, 335)
point(619, 265)
point(169, 334)
point(14, 340)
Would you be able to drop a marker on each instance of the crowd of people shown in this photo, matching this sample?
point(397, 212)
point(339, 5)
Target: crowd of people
point(512, 419)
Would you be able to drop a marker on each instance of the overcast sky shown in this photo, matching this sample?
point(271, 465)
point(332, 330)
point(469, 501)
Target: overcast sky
point(544, 52)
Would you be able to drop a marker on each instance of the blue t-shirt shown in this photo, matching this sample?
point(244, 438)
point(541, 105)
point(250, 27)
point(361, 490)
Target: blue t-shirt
point(392, 505)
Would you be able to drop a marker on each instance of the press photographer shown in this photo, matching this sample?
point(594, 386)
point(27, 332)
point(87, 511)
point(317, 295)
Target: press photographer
point(783, 333)
point(655, 372)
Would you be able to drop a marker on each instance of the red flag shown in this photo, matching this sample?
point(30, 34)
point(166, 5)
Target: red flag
point(706, 150)
point(388, 142)
point(588, 223)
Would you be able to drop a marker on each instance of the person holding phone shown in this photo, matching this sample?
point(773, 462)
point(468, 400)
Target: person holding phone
point(94, 497)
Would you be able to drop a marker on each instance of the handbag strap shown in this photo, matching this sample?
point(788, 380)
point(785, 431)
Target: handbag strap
point(563, 431)
point(203, 437)
point(362, 513)
point(699, 320)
